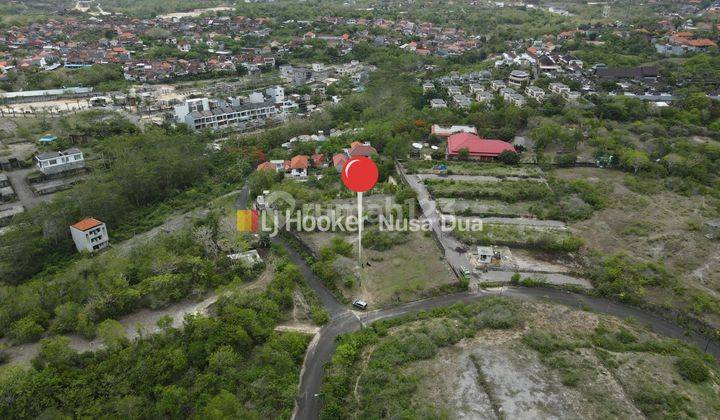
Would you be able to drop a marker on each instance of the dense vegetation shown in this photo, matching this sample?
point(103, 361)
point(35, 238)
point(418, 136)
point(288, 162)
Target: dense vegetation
point(151, 275)
point(139, 179)
point(230, 365)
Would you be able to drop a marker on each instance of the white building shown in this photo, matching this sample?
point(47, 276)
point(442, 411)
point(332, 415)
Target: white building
point(231, 116)
point(559, 88)
point(437, 103)
point(484, 96)
point(50, 163)
point(276, 93)
point(190, 105)
point(90, 235)
point(535, 92)
point(518, 77)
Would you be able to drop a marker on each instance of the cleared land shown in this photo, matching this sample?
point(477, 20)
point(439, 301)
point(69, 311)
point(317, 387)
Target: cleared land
point(405, 272)
point(646, 221)
point(504, 359)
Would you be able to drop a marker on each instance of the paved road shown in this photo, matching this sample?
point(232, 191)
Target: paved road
point(320, 351)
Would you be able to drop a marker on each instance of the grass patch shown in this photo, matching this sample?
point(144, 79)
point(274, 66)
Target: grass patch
point(498, 170)
point(522, 237)
point(508, 191)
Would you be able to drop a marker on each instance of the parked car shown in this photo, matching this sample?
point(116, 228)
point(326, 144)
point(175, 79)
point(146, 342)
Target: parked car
point(360, 304)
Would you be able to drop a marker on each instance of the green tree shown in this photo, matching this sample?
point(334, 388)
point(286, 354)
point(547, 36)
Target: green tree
point(635, 159)
point(112, 333)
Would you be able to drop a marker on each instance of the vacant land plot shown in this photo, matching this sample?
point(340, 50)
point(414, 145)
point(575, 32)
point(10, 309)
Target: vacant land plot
point(521, 237)
point(504, 359)
point(508, 191)
point(475, 168)
point(649, 223)
point(405, 272)
point(485, 208)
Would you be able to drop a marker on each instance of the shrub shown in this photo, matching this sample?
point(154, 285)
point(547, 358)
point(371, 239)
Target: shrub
point(319, 315)
point(656, 402)
point(692, 369)
point(25, 330)
point(546, 342)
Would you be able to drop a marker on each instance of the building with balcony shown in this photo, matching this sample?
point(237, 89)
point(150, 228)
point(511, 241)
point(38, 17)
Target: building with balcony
point(518, 77)
point(90, 235)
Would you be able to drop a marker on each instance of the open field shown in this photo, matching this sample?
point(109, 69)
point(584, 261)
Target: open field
point(473, 168)
point(547, 239)
point(485, 208)
point(649, 223)
point(504, 359)
point(402, 273)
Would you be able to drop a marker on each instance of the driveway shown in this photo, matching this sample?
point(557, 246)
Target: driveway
point(22, 190)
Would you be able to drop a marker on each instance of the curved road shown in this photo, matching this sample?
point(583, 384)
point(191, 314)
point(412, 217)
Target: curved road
point(344, 320)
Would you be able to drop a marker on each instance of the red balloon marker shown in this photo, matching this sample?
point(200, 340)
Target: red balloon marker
point(360, 174)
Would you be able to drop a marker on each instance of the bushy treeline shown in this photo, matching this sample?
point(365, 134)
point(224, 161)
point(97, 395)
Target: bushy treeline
point(230, 365)
point(77, 298)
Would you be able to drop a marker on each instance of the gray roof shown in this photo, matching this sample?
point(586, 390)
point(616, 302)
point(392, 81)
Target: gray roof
point(48, 155)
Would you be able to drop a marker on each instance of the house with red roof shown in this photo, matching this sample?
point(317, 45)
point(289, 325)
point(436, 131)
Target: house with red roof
point(266, 166)
point(361, 149)
point(478, 148)
point(298, 166)
point(89, 235)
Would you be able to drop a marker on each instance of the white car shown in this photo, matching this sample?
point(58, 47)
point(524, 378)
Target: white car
point(360, 304)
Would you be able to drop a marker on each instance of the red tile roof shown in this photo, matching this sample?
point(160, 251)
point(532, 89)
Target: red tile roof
point(87, 224)
point(266, 166)
point(359, 149)
point(318, 160)
point(299, 162)
point(477, 146)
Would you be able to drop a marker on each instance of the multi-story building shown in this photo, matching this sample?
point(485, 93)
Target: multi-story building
point(496, 85)
point(559, 88)
point(50, 163)
point(484, 97)
point(191, 105)
point(518, 77)
point(535, 92)
point(230, 116)
point(438, 103)
point(510, 95)
point(89, 235)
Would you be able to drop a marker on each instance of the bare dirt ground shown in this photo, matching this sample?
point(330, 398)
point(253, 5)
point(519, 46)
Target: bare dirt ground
point(495, 375)
point(653, 227)
point(403, 273)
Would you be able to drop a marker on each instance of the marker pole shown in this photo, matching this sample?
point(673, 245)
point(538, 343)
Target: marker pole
point(360, 227)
